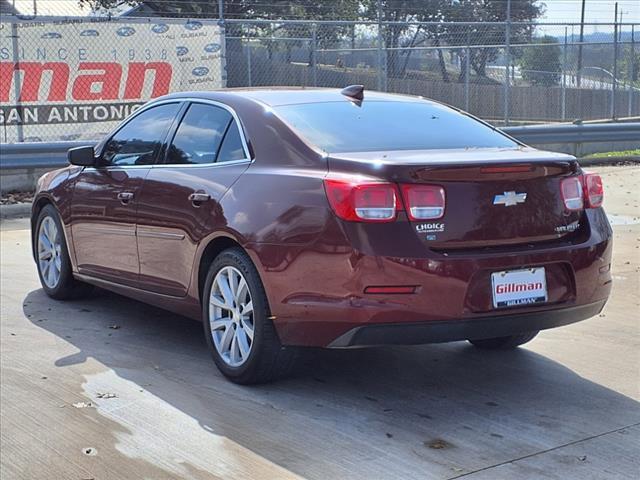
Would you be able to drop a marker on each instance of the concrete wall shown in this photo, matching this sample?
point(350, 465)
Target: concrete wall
point(20, 179)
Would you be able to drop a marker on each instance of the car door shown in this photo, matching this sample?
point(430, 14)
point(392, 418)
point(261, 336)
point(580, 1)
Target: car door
point(179, 202)
point(104, 205)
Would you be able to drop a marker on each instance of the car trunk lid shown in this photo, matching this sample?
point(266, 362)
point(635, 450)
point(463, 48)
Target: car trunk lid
point(493, 196)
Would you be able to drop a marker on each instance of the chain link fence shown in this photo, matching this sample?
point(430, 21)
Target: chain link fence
point(77, 77)
point(533, 78)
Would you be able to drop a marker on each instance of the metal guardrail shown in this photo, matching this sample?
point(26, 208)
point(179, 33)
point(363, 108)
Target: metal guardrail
point(576, 133)
point(54, 154)
point(32, 155)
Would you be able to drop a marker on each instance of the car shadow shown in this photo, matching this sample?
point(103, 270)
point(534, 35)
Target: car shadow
point(346, 413)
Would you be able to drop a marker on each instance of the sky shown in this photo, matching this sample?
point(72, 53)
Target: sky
point(595, 10)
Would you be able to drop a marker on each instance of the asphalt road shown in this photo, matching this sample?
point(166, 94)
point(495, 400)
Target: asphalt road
point(565, 406)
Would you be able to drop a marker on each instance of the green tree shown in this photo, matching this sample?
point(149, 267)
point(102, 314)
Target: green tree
point(256, 9)
point(540, 64)
point(403, 34)
point(630, 68)
point(492, 34)
point(400, 36)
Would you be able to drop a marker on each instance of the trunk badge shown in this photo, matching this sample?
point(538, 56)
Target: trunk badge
point(509, 199)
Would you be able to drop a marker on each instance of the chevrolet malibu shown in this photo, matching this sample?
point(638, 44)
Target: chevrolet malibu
point(284, 218)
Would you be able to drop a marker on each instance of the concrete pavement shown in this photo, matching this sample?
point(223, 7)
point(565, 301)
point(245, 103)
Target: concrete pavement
point(109, 388)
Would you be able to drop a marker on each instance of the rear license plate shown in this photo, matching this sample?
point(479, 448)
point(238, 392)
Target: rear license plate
point(519, 287)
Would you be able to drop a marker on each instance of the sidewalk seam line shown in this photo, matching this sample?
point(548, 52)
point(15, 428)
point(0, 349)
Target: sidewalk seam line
point(541, 452)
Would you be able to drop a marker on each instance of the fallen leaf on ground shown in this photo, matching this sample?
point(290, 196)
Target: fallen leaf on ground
point(437, 444)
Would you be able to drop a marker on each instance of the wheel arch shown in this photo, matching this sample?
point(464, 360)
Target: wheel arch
point(38, 204)
point(214, 248)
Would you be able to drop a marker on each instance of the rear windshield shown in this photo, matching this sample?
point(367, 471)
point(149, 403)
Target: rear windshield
point(373, 126)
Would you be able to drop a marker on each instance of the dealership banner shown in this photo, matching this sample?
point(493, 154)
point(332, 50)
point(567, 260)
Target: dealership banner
point(75, 79)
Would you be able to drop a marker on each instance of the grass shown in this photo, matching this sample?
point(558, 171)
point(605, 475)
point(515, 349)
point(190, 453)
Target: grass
point(622, 153)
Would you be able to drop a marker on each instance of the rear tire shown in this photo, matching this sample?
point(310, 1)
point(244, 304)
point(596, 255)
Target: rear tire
point(52, 258)
point(504, 343)
point(237, 325)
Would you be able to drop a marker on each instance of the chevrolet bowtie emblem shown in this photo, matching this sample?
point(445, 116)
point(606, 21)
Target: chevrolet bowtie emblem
point(509, 199)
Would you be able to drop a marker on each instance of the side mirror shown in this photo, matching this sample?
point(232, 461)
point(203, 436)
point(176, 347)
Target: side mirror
point(82, 156)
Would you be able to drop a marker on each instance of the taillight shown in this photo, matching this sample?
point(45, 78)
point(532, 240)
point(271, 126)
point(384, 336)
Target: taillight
point(585, 191)
point(571, 189)
point(362, 202)
point(593, 190)
point(423, 202)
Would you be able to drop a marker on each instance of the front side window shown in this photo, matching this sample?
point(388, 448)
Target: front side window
point(199, 135)
point(383, 126)
point(140, 140)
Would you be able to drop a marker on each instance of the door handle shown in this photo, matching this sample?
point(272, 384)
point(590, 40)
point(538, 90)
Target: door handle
point(125, 197)
point(198, 198)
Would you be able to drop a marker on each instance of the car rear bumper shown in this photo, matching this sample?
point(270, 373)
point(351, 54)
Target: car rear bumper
point(318, 294)
point(455, 330)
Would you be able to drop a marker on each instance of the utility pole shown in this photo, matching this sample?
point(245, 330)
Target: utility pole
point(622, 12)
point(221, 10)
point(579, 74)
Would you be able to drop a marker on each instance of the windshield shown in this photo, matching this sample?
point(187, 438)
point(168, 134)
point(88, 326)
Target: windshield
point(374, 126)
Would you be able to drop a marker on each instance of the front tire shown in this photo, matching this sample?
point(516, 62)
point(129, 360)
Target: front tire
point(238, 329)
point(504, 343)
point(52, 258)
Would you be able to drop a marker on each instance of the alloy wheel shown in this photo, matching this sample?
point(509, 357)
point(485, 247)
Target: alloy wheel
point(231, 316)
point(49, 252)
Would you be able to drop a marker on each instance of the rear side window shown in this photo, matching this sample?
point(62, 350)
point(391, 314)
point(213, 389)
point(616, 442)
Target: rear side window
point(231, 148)
point(381, 125)
point(199, 135)
point(139, 141)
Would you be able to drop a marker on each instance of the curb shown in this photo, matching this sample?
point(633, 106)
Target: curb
point(16, 210)
point(608, 160)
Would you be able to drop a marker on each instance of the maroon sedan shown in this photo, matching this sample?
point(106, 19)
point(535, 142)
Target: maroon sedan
point(292, 217)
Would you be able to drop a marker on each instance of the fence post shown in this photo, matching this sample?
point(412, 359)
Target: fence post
point(249, 80)
point(614, 80)
point(379, 13)
point(16, 76)
point(632, 68)
point(507, 66)
point(563, 113)
point(223, 42)
point(467, 71)
point(314, 47)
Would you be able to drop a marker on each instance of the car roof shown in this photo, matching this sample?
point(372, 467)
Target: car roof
point(278, 96)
